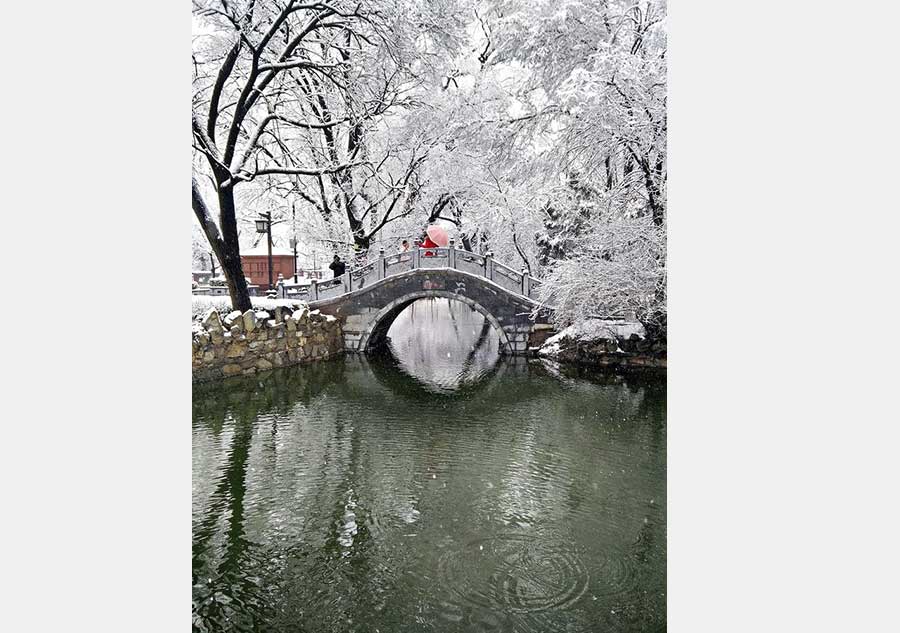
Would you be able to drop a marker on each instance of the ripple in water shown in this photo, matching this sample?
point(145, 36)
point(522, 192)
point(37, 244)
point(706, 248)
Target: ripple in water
point(615, 577)
point(516, 573)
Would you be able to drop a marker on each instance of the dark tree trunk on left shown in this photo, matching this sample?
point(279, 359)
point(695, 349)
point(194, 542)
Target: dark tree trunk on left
point(225, 244)
point(231, 255)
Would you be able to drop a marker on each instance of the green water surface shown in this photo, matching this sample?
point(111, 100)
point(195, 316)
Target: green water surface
point(435, 490)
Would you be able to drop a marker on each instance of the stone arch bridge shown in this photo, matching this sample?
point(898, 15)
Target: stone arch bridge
point(369, 298)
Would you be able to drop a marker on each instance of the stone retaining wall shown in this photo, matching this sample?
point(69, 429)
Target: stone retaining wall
point(259, 340)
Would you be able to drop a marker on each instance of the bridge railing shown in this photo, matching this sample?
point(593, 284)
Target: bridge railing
point(472, 263)
point(434, 258)
point(288, 290)
point(365, 275)
point(330, 288)
point(506, 277)
point(398, 263)
point(518, 282)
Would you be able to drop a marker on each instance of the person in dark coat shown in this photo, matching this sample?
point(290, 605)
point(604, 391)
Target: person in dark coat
point(337, 266)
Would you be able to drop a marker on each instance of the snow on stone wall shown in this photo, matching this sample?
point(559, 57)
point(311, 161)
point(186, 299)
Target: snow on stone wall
point(202, 304)
point(260, 340)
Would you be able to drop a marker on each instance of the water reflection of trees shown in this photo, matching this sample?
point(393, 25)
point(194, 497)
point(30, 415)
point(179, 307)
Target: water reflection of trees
point(233, 577)
point(228, 595)
point(274, 391)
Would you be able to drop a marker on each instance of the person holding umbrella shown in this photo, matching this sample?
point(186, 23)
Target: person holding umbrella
point(435, 236)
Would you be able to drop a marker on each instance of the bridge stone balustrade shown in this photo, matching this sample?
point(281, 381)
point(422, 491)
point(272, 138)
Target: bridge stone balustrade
point(369, 298)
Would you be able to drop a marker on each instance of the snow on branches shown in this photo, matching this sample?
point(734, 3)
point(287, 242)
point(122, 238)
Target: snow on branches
point(617, 267)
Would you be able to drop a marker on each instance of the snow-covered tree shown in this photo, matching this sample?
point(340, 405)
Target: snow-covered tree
point(617, 268)
point(592, 104)
point(201, 255)
point(597, 85)
point(294, 91)
point(537, 128)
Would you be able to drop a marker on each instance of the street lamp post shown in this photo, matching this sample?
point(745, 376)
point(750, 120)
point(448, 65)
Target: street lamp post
point(264, 225)
point(294, 246)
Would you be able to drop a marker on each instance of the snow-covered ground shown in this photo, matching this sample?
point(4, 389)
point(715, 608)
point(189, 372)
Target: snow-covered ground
point(201, 304)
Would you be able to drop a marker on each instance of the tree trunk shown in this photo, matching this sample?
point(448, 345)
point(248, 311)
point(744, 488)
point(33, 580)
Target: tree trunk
point(521, 254)
point(654, 194)
point(655, 198)
point(224, 244)
point(230, 259)
point(629, 166)
point(362, 241)
point(660, 178)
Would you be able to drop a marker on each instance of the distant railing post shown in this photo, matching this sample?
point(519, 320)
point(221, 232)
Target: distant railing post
point(415, 258)
point(381, 267)
point(526, 282)
point(489, 265)
point(451, 254)
point(348, 281)
point(314, 289)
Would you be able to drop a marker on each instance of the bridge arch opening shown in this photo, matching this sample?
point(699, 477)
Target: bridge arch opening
point(376, 336)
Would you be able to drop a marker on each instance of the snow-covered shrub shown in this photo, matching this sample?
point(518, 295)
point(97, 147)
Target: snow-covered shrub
point(618, 267)
point(201, 304)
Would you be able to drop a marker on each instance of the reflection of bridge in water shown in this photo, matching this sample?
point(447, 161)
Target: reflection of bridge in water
point(443, 344)
point(370, 297)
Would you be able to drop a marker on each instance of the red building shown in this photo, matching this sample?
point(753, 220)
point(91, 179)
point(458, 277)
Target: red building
point(255, 263)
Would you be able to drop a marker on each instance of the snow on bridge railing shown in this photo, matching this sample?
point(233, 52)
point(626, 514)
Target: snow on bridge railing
point(517, 282)
point(288, 290)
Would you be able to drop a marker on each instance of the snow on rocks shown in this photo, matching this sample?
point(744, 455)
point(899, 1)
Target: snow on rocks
point(249, 320)
point(605, 342)
point(231, 318)
point(593, 329)
point(212, 321)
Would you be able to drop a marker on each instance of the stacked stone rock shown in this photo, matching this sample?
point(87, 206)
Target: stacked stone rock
point(608, 351)
point(258, 340)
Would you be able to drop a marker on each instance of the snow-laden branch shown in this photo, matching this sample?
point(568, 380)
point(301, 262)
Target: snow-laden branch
point(305, 172)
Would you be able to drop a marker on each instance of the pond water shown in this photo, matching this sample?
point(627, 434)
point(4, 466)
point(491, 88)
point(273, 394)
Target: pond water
point(436, 488)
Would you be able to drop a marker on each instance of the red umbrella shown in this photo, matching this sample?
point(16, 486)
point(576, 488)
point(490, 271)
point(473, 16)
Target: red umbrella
point(438, 235)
